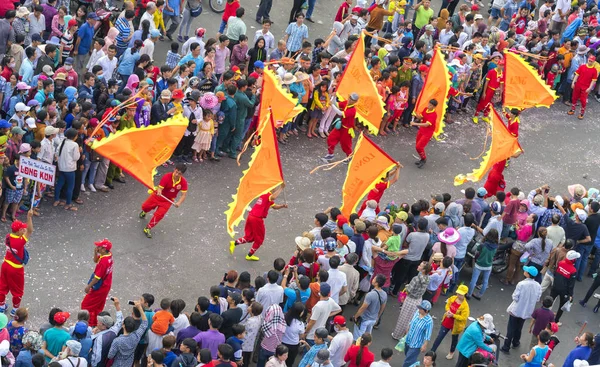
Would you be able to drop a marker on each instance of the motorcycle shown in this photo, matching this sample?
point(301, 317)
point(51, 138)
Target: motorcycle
point(217, 6)
point(107, 16)
point(491, 358)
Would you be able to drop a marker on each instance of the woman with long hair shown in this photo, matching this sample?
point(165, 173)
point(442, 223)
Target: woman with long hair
point(360, 355)
point(539, 251)
point(257, 53)
point(583, 350)
point(295, 327)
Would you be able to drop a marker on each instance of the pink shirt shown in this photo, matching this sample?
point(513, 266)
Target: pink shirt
point(524, 232)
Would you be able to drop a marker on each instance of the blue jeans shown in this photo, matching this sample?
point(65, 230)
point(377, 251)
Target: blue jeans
point(475, 277)
point(311, 7)
point(412, 354)
point(222, 26)
point(92, 173)
point(366, 326)
point(441, 335)
point(582, 262)
point(263, 357)
point(65, 178)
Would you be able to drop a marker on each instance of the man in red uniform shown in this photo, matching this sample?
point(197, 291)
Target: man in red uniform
point(377, 192)
point(495, 180)
point(161, 199)
point(254, 231)
point(345, 132)
point(100, 282)
point(583, 83)
point(493, 81)
point(426, 129)
point(12, 272)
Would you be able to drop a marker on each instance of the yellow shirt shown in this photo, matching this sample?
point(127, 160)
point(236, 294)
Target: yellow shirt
point(159, 23)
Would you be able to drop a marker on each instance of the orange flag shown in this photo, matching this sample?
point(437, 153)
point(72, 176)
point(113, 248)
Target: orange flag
point(368, 166)
point(356, 79)
point(504, 145)
point(263, 174)
point(138, 151)
point(524, 88)
point(284, 107)
point(437, 86)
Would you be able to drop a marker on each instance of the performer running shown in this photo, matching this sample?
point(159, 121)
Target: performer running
point(377, 192)
point(165, 194)
point(493, 81)
point(495, 179)
point(584, 82)
point(12, 272)
point(100, 282)
point(254, 231)
point(513, 124)
point(342, 132)
point(426, 129)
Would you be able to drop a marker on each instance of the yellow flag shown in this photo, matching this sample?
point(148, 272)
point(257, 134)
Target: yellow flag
point(524, 88)
point(284, 107)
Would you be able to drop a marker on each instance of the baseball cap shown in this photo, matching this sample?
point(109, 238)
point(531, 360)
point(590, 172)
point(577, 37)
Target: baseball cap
point(496, 207)
point(581, 214)
point(342, 238)
point(571, 255)
point(5, 124)
point(325, 289)
point(478, 16)
point(17, 225)
point(330, 244)
point(154, 33)
point(481, 192)
point(74, 346)
point(80, 328)
point(22, 86)
point(24, 148)
point(50, 130)
point(61, 317)
point(439, 207)
point(531, 270)
point(21, 107)
point(322, 355)
point(425, 305)
point(559, 200)
point(259, 64)
point(36, 37)
point(47, 69)
point(359, 225)
point(474, 7)
point(17, 131)
point(423, 68)
point(42, 77)
point(339, 320)
point(402, 215)
point(105, 243)
point(200, 32)
point(92, 15)
point(30, 122)
point(72, 23)
point(105, 320)
point(69, 61)
point(462, 289)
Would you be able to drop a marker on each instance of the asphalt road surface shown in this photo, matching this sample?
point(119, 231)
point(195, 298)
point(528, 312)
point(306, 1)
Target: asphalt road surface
point(188, 252)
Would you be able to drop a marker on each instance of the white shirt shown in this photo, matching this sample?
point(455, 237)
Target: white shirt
point(270, 294)
point(320, 314)
point(293, 332)
point(380, 363)
point(269, 40)
point(47, 151)
point(37, 25)
point(186, 46)
point(67, 160)
point(73, 361)
point(108, 66)
point(150, 18)
point(565, 6)
point(181, 322)
point(337, 280)
point(96, 55)
point(494, 222)
point(148, 48)
point(338, 347)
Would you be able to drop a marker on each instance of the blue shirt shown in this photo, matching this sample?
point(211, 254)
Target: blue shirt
point(295, 36)
point(198, 60)
point(127, 62)
point(419, 330)
point(173, 4)
point(472, 339)
point(26, 71)
point(291, 297)
point(86, 36)
point(122, 26)
point(580, 352)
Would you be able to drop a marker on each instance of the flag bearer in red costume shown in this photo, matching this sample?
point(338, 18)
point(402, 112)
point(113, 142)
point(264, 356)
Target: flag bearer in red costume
point(342, 132)
point(12, 272)
point(254, 231)
point(583, 83)
point(495, 180)
point(426, 129)
point(493, 81)
point(100, 281)
point(513, 124)
point(164, 196)
point(377, 192)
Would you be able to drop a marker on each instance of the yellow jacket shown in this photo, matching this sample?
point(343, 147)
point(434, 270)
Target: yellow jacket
point(460, 318)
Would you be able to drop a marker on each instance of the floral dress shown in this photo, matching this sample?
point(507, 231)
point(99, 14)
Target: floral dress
point(16, 337)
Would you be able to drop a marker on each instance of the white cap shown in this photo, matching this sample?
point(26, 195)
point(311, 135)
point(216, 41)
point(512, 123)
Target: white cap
point(30, 122)
point(20, 107)
point(573, 255)
point(559, 200)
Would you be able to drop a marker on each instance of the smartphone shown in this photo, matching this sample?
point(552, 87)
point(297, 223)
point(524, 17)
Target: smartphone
point(546, 191)
point(131, 303)
point(112, 299)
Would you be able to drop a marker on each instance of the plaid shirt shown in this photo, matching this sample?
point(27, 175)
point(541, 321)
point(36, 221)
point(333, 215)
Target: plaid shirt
point(123, 347)
point(172, 59)
point(12, 151)
point(417, 286)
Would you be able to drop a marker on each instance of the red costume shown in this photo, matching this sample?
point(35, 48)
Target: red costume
point(425, 133)
point(12, 272)
point(495, 180)
point(513, 125)
point(342, 135)
point(494, 80)
point(586, 76)
point(95, 300)
point(375, 194)
point(254, 230)
point(170, 189)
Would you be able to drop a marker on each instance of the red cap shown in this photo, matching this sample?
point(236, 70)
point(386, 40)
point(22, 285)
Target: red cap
point(341, 220)
point(72, 22)
point(235, 69)
point(554, 327)
point(177, 94)
point(200, 32)
point(17, 225)
point(474, 7)
point(339, 320)
point(104, 244)
point(591, 58)
point(423, 68)
point(61, 317)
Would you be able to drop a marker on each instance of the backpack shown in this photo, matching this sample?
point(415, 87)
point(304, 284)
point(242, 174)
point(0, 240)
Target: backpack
point(25, 258)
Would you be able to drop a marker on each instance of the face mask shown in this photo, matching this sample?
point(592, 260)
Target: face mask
point(12, 65)
point(100, 76)
point(68, 67)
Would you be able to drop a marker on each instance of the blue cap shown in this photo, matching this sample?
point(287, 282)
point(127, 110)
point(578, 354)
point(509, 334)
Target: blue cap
point(330, 244)
point(81, 328)
point(154, 33)
point(425, 306)
point(259, 64)
point(92, 15)
point(5, 124)
point(325, 290)
point(85, 95)
point(69, 61)
point(531, 270)
point(36, 37)
point(481, 192)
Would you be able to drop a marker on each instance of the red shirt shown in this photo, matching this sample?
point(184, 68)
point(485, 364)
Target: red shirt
point(170, 187)
point(513, 126)
point(367, 357)
point(494, 79)
point(431, 117)
point(262, 205)
point(230, 9)
point(585, 76)
point(448, 322)
point(348, 114)
point(104, 269)
point(342, 12)
point(17, 243)
point(378, 191)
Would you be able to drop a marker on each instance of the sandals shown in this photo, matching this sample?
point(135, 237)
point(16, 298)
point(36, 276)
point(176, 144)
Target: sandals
point(71, 208)
point(78, 201)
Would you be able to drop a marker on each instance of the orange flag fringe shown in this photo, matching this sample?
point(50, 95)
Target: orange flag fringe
point(368, 165)
point(283, 106)
point(437, 86)
point(138, 151)
point(504, 145)
point(356, 79)
point(263, 174)
point(524, 88)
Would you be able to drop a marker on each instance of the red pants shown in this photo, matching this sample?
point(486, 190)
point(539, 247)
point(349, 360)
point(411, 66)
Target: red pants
point(339, 136)
point(161, 205)
point(94, 302)
point(422, 141)
point(11, 280)
point(254, 231)
point(579, 94)
point(485, 102)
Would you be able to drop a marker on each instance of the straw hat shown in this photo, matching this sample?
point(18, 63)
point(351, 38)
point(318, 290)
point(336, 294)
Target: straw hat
point(288, 78)
point(300, 76)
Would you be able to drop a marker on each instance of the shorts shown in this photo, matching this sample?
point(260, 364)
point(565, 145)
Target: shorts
point(14, 196)
point(495, 13)
point(316, 114)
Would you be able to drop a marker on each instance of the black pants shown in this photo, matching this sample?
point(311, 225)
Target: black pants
point(292, 354)
point(246, 356)
point(263, 10)
point(184, 148)
point(462, 361)
point(513, 334)
point(78, 180)
point(407, 114)
point(593, 288)
point(369, 38)
point(296, 8)
point(404, 270)
point(563, 299)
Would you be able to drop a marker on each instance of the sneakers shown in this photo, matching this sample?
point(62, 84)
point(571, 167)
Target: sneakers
point(571, 112)
point(92, 188)
point(450, 355)
point(147, 232)
point(486, 118)
point(327, 158)
point(252, 257)
point(142, 214)
point(13, 312)
point(231, 247)
point(82, 188)
point(580, 116)
point(421, 163)
point(475, 120)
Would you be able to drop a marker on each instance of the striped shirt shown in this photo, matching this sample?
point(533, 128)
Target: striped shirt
point(122, 26)
point(419, 330)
